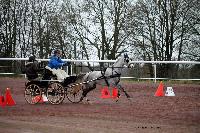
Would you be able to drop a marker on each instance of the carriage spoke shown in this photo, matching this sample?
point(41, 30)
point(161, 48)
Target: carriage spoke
point(32, 94)
point(55, 93)
point(74, 94)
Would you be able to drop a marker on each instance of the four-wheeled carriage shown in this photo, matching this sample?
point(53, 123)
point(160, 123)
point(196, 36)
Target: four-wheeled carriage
point(53, 89)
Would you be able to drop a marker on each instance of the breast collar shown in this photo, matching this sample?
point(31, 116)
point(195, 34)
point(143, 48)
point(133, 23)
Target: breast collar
point(117, 74)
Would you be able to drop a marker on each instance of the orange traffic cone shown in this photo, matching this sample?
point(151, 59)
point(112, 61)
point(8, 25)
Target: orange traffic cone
point(114, 93)
point(9, 99)
point(159, 92)
point(39, 98)
point(105, 93)
point(2, 101)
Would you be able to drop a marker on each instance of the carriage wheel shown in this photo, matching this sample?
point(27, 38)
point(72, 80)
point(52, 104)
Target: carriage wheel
point(55, 93)
point(74, 94)
point(32, 94)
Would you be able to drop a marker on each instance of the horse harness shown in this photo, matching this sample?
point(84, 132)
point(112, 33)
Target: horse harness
point(111, 76)
point(126, 59)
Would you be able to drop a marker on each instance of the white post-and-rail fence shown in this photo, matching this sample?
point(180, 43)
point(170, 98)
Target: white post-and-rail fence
point(112, 61)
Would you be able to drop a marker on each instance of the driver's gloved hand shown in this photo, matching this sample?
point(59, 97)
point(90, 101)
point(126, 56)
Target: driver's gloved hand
point(67, 64)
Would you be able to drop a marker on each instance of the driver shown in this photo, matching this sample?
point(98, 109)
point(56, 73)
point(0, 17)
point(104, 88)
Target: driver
point(55, 65)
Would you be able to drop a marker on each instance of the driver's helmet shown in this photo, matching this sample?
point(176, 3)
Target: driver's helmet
point(31, 58)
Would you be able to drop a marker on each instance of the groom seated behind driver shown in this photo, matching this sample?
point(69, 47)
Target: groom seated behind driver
point(55, 65)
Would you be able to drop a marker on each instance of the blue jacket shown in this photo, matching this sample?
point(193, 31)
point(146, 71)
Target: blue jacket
point(55, 62)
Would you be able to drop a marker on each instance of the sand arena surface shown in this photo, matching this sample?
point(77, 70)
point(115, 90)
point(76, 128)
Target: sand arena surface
point(145, 113)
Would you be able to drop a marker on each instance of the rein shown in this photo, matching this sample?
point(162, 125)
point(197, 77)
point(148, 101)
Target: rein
point(99, 78)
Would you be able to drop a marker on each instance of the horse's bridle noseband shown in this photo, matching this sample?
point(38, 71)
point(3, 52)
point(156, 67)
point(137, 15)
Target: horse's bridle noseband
point(126, 60)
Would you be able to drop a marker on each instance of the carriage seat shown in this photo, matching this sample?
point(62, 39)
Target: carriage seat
point(60, 74)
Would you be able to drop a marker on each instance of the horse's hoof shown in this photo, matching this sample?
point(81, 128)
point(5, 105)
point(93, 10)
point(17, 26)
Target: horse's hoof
point(117, 98)
point(89, 102)
point(130, 99)
point(81, 99)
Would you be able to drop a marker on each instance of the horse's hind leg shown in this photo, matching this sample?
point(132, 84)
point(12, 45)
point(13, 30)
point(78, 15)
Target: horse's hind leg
point(86, 90)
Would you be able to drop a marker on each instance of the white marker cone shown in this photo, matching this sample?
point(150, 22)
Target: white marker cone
point(169, 92)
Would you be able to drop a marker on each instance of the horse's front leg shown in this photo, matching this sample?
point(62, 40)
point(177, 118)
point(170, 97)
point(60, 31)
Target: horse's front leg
point(119, 86)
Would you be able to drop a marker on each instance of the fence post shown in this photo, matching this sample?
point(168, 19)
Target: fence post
point(71, 71)
point(67, 70)
point(25, 76)
point(154, 65)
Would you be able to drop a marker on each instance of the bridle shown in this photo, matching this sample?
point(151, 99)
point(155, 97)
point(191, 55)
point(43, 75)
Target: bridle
point(126, 58)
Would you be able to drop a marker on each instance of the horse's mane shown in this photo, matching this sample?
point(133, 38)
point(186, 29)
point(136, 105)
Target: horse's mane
point(117, 61)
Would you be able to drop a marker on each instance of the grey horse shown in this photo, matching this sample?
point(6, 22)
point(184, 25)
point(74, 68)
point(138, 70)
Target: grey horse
point(111, 77)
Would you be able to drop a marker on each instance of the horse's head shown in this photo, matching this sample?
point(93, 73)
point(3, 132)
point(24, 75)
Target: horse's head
point(122, 61)
point(127, 61)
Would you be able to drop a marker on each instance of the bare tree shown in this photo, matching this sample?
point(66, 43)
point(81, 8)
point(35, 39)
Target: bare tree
point(162, 31)
point(102, 26)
